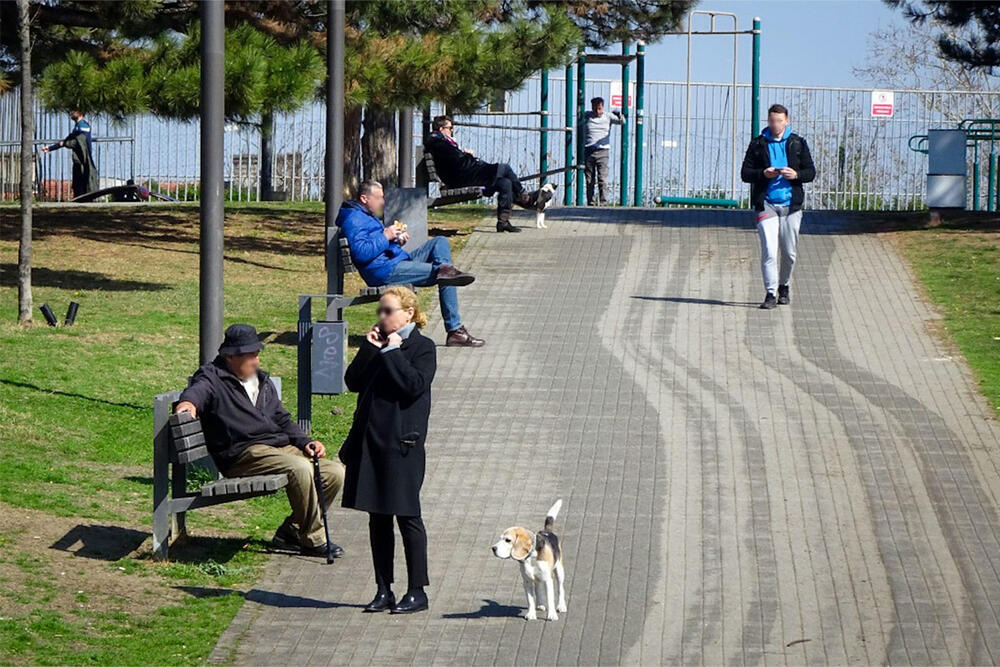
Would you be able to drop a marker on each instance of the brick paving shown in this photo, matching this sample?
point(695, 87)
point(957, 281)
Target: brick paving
point(814, 484)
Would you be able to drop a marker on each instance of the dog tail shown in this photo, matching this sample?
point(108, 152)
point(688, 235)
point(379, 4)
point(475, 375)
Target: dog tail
point(550, 516)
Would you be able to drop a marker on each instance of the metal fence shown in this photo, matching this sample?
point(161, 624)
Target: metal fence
point(863, 163)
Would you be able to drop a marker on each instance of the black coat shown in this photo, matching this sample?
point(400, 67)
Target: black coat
point(231, 422)
point(458, 169)
point(757, 159)
point(384, 451)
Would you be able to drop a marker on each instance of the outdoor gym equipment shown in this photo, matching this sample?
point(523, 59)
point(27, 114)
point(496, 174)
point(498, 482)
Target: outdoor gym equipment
point(977, 131)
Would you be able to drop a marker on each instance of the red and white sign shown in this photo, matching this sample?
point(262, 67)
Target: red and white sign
point(616, 94)
point(882, 103)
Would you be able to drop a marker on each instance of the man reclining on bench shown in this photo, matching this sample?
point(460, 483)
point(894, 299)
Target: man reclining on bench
point(459, 168)
point(249, 432)
point(377, 252)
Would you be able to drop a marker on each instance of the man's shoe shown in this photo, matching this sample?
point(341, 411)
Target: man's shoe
point(449, 275)
point(383, 601)
point(411, 602)
point(505, 226)
point(320, 550)
point(784, 298)
point(460, 337)
point(286, 537)
point(769, 302)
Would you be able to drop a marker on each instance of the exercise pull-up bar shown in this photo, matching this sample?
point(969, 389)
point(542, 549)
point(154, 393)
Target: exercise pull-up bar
point(513, 127)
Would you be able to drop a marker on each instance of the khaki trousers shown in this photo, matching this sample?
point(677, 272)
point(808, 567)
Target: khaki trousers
point(301, 490)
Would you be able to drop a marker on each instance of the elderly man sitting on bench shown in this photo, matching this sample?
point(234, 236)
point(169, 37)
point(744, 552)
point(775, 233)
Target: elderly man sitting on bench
point(249, 432)
point(458, 168)
point(377, 252)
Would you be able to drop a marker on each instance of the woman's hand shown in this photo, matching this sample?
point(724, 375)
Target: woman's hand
point(395, 339)
point(374, 337)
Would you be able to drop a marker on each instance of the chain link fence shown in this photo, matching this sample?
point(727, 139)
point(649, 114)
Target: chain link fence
point(863, 163)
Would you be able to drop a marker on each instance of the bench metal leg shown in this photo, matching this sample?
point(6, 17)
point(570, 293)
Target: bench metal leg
point(161, 477)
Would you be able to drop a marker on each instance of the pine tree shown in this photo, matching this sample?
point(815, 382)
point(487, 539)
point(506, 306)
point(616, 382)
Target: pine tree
point(973, 37)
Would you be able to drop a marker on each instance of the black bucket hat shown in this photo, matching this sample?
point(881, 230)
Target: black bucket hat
point(240, 339)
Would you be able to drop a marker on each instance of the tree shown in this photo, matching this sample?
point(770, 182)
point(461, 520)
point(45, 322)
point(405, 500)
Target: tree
point(604, 22)
point(27, 164)
point(969, 31)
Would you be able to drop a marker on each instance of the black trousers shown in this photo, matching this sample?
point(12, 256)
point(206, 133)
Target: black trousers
point(383, 545)
point(507, 186)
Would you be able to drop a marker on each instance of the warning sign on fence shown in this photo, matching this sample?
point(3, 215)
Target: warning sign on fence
point(882, 103)
point(616, 94)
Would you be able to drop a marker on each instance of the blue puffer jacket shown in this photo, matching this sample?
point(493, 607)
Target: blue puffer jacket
point(373, 255)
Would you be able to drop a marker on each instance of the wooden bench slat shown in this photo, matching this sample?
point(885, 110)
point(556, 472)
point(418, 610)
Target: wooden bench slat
point(235, 486)
point(187, 428)
point(189, 441)
point(191, 455)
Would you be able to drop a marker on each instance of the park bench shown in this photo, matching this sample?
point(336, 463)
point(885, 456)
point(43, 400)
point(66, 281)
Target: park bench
point(367, 294)
point(178, 444)
point(439, 194)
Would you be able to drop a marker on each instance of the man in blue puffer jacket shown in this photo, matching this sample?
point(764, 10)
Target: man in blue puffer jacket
point(377, 252)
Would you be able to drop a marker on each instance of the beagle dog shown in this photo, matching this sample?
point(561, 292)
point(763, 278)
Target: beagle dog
point(540, 558)
point(545, 195)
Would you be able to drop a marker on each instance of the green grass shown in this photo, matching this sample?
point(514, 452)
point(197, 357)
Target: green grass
point(76, 416)
point(958, 265)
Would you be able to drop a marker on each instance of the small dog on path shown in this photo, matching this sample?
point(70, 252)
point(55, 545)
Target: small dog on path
point(540, 559)
point(545, 195)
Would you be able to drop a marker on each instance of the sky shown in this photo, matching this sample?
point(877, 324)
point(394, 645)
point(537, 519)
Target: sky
point(803, 42)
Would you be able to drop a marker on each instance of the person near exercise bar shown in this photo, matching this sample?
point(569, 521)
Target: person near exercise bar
point(459, 167)
point(598, 148)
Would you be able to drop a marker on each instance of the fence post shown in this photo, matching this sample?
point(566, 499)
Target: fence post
point(543, 137)
point(570, 121)
point(640, 82)
point(623, 194)
point(755, 81)
point(581, 134)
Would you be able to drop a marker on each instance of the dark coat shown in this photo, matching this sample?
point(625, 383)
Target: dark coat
point(458, 169)
point(231, 422)
point(757, 159)
point(384, 451)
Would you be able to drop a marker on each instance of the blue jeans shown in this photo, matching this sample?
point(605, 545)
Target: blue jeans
point(419, 271)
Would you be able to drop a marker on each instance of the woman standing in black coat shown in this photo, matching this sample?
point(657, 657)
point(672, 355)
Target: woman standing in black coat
point(384, 451)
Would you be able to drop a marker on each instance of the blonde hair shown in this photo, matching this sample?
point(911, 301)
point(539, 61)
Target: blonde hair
point(407, 299)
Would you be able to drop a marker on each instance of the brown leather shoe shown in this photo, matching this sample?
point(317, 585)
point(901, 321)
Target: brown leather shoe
point(460, 337)
point(449, 275)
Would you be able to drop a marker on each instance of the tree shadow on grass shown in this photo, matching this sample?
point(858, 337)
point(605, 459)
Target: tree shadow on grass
point(490, 609)
point(68, 394)
point(83, 280)
point(110, 543)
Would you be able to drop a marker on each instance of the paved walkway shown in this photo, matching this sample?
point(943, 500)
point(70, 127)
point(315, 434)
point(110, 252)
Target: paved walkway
point(813, 484)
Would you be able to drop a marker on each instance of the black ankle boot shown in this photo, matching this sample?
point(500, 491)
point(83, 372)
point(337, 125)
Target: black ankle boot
point(413, 601)
point(384, 600)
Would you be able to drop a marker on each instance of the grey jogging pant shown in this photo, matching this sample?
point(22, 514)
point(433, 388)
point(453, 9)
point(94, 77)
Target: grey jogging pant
point(777, 228)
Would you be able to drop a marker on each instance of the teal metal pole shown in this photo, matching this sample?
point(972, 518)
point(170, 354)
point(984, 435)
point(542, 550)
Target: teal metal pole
point(975, 177)
point(991, 183)
point(581, 107)
point(626, 79)
point(640, 82)
point(755, 81)
point(543, 138)
point(570, 116)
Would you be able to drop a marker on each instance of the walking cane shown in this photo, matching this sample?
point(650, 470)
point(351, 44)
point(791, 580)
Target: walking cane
point(318, 481)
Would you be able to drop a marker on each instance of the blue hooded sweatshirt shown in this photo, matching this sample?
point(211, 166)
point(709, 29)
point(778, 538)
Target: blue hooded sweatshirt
point(779, 190)
point(374, 256)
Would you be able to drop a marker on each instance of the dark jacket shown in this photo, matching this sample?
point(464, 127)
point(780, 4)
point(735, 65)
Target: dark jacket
point(231, 422)
point(374, 256)
point(384, 451)
point(757, 160)
point(457, 168)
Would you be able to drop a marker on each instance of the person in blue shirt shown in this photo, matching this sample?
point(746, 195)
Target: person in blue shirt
point(81, 142)
point(776, 165)
point(377, 252)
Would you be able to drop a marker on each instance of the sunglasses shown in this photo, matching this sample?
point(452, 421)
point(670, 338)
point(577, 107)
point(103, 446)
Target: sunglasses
point(385, 310)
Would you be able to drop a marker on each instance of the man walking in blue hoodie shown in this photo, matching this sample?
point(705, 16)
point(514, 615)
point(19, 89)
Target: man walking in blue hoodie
point(776, 165)
point(377, 252)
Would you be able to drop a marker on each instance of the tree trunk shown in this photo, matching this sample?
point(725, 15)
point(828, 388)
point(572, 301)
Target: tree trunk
point(27, 167)
point(378, 146)
point(352, 152)
point(266, 156)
